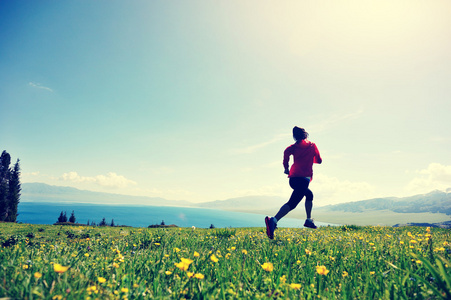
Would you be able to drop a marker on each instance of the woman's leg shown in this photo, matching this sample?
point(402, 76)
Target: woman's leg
point(300, 187)
point(308, 203)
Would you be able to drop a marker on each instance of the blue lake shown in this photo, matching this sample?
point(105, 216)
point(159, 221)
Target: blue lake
point(143, 216)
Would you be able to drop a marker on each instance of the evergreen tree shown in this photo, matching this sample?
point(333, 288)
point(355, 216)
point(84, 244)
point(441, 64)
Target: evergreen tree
point(5, 160)
point(13, 197)
point(62, 218)
point(9, 188)
point(103, 222)
point(72, 217)
point(112, 223)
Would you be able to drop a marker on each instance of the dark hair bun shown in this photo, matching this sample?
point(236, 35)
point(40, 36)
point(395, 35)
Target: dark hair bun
point(299, 133)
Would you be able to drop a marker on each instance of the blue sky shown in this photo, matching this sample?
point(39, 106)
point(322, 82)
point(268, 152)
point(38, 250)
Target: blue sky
point(195, 100)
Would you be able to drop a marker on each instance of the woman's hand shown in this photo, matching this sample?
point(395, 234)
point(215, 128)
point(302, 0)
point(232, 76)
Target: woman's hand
point(287, 171)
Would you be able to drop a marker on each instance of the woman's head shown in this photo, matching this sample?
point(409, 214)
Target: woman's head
point(299, 134)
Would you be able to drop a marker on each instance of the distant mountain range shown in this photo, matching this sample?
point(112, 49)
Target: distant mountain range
point(40, 192)
point(433, 202)
point(432, 207)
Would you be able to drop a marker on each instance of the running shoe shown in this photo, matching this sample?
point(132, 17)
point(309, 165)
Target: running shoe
point(310, 224)
point(270, 226)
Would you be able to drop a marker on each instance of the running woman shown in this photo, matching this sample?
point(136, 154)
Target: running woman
point(305, 154)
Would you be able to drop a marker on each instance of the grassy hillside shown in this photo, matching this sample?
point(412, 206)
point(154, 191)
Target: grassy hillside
point(434, 202)
point(382, 217)
point(66, 262)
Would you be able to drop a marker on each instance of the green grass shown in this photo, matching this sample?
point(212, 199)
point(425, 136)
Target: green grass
point(240, 263)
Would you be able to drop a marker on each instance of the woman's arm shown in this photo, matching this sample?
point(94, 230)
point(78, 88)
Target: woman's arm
point(286, 159)
point(317, 158)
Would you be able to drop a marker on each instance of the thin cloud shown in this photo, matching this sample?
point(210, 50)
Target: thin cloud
point(331, 190)
point(435, 177)
point(111, 179)
point(333, 120)
point(254, 148)
point(325, 124)
point(39, 86)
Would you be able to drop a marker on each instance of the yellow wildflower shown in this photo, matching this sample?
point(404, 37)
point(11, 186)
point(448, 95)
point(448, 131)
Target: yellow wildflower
point(101, 279)
point(37, 275)
point(186, 260)
point(244, 251)
point(168, 272)
point(322, 270)
point(295, 286)
point(199, 276)
point(269, 267)
point(87, 254)
point(308, 252)
point(124, 290)
point(196, 254)
point(213, 258)
point(344, 274)
point(91, 288)
point(59, 268)
point(24, 267)
point(184, 264)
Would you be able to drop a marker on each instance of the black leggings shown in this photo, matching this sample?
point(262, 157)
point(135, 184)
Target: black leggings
point(300, 189)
